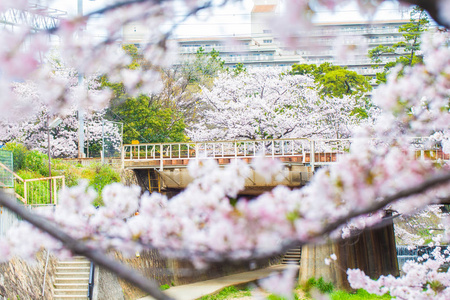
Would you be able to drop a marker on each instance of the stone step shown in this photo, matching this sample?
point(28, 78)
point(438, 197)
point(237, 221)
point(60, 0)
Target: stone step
point(72, 279)
point(70, 297)
point(74, 263)
point(291, 262)
point(65, 286)
point(292, 256)
point(75, 258)
point(72, 269)
point(70, 292)
point(296, 251)
point(84, 274)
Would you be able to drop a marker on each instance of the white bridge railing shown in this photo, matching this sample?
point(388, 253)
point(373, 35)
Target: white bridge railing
point(301, 150)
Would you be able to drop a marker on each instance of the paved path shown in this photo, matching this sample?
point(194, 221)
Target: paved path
point(199, 289)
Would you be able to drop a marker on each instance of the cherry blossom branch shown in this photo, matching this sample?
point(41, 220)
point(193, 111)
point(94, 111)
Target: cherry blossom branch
point(431, 182)
point(78, 247)
point(428, 184)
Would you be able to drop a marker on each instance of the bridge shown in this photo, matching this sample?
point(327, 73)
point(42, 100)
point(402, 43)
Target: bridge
point(162, 166)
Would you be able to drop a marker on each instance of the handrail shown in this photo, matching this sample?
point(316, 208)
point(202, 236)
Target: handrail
point(45, 274)
point(224, 141)
point(44, 178)
point(12, 172)
point(17, 177)
point(91, 281)
point(24, 199)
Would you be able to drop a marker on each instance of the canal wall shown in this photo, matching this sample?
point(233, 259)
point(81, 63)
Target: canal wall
point(20, 279)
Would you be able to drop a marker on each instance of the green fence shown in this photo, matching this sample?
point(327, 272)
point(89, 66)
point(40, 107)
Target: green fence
point(6, 177)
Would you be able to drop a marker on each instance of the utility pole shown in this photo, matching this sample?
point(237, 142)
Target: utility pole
point(49, 158)
point(80, 109)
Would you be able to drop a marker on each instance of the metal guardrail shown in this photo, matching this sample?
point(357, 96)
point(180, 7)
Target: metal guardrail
point(91, 281)
point(35, 191)
point(306, 151)
point(42, 190)
point(314, 152)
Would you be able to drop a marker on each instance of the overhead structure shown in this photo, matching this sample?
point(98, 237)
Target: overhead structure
point(37, 16)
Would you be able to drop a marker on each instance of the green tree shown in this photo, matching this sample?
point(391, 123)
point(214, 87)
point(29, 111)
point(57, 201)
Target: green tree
point(203, 68)
point(148, 121)
point(334, 81)
point(239, 68)
point(408, 48)
point(145, 118)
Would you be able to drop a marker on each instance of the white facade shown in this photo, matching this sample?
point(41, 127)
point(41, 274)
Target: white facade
point(262, 49)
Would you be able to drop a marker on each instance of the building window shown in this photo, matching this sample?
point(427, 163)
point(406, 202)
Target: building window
point(267, 41)
point(267, 31)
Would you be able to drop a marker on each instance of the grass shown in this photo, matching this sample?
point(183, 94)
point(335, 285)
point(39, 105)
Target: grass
point(233, 292)
point(228, 293)
point(327, 288)
point(359, 295)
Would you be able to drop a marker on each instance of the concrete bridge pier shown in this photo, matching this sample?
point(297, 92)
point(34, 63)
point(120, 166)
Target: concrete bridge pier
point(372, 251)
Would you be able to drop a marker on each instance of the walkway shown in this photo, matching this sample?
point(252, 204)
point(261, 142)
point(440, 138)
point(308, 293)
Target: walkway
point(199, 289)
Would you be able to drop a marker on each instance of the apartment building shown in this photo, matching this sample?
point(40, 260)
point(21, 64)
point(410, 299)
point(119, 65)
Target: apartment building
point(317, 45)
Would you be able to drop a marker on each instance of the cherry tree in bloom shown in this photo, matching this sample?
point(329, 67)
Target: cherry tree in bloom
point(201, 223)
point(423, 280)
point(33, 133)
point(265, 104)
point(29, 122)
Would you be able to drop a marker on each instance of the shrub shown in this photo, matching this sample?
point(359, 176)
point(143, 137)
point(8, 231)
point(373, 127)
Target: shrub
point(276, 297)
point(36, 161)
point(227, 293)
point(19, 152)
point(71, 173)
point(320, 284)
point(102, 176)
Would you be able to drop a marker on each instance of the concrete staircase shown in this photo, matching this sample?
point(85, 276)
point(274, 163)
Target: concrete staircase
point(292, 256)
point(72, 279)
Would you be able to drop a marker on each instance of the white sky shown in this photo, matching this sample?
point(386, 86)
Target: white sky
point(234, 19)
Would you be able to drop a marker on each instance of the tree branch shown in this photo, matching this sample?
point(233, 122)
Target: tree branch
point(130, 275)
point(431, 182)
point(432, 7)
point(98, 257)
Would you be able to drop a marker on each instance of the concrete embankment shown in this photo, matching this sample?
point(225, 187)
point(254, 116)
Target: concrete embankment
point(25, 280)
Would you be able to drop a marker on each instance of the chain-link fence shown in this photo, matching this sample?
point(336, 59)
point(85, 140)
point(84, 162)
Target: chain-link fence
point(112, 140)
point(8, 219)
point(7, 165)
